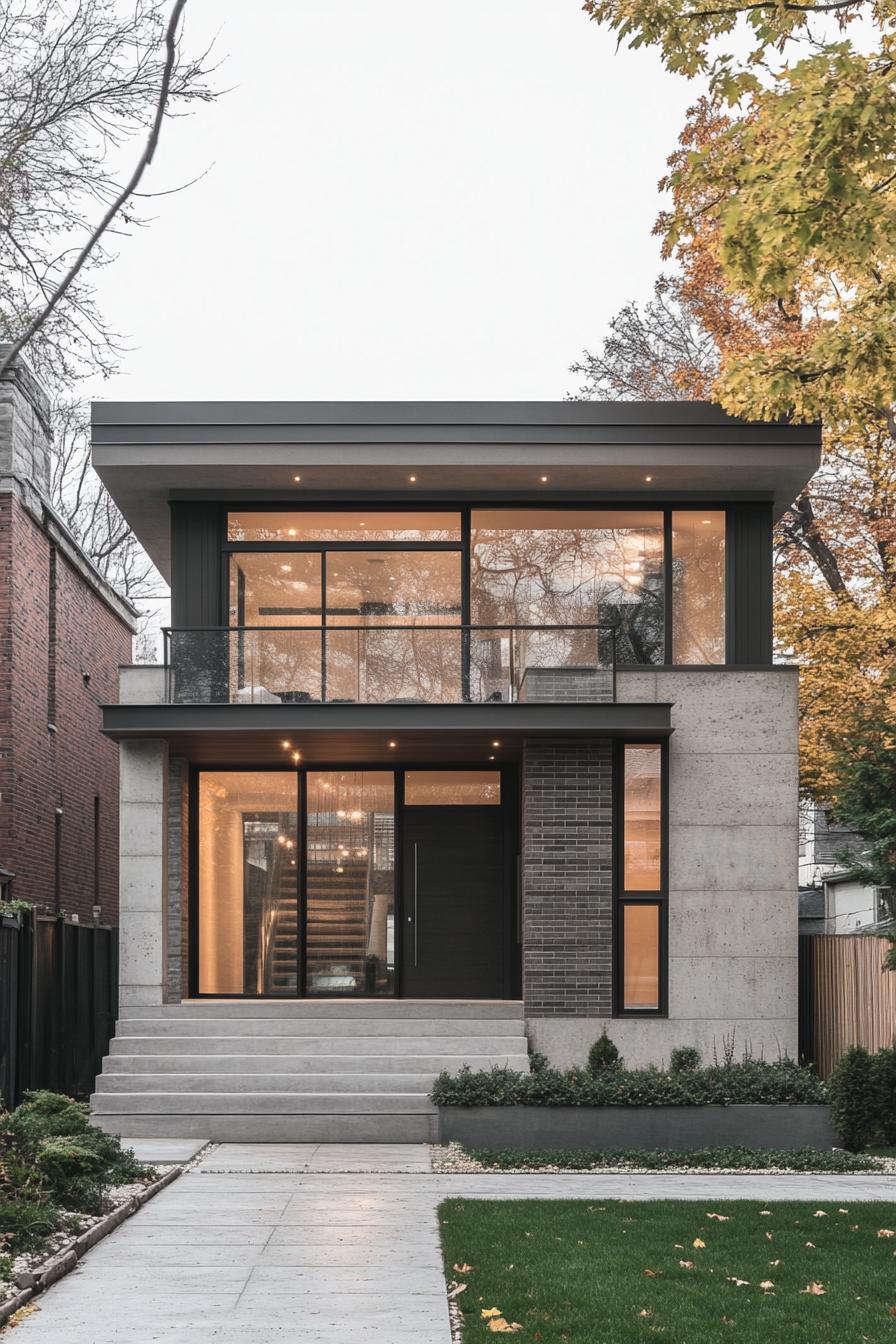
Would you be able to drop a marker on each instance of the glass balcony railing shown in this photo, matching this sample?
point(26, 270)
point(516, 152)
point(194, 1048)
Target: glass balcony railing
point(394, 664)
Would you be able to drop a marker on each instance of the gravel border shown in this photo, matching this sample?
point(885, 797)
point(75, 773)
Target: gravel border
point(64, 1261)
point(451, 1159)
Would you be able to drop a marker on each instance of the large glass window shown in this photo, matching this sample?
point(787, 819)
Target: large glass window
point(301, 525)
point(698, 586)
point(640, 879)
point(350, 915)
point(568, 567)
point(248, 882)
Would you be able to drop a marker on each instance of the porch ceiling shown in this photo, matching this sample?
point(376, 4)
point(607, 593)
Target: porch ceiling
point(345, 734)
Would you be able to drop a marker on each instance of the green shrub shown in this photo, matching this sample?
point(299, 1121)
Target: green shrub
point(685, 1059)
point(781, 1082)
point(25, 1224)
point(43, 1115)
point(603, 1056)
point(72, 1171)
point(853, 1088)
point(538, 1062)
point(885, 1078)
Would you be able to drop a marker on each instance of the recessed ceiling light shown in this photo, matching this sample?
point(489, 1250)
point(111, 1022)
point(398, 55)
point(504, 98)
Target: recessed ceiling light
point(286, 745)
point(297, 478)
point(297, 756)
point(496, 744)
point(544, 480)
point(648, 478)
point(491, 758)
point(393, 744)
point(412, 478)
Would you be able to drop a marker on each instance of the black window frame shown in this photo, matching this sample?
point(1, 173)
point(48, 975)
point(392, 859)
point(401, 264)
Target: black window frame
point(623, 898)
point(465, 509)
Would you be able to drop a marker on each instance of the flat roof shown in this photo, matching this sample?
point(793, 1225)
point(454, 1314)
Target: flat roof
point(148, 453)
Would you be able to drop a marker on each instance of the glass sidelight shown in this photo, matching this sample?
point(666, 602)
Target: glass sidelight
point(640, 879)
point(248, 882)
point(350, 885)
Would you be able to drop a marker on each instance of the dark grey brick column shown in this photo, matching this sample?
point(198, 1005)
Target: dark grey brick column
point(176, 915)
point(567, 877)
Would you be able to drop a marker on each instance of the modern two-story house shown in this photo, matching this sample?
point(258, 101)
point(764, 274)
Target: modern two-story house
point(468, 738)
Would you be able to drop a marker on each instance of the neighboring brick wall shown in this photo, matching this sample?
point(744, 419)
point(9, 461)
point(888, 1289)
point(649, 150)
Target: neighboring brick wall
point(42, 770)
point(567, 877)
point(176, 979)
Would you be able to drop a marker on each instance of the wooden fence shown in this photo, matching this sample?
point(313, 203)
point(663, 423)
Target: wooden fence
point(846, 996)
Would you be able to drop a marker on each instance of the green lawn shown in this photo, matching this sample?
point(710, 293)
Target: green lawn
point(574, 1272)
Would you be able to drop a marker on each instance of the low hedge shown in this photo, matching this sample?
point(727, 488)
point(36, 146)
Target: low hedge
point(735, 1158)
point(756, 1081)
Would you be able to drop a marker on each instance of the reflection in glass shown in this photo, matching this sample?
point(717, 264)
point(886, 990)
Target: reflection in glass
point(275, 590)
point(452, 788)
point(350, 915)
point(379, 590)
point(640, 956)
point(698, 586)
point(641, 818)
point(300, 525)
point(572, 567)
point(248, 883)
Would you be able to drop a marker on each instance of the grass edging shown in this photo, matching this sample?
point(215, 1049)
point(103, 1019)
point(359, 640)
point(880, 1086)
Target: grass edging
point(63, 1262)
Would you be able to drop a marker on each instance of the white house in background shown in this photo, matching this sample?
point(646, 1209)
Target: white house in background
point(832, 898)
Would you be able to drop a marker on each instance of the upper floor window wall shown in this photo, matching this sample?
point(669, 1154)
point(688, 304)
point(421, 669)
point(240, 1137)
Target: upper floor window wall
point(655, 576)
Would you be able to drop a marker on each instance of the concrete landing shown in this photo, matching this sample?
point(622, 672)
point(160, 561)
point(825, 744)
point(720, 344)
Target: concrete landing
point(161, 1152)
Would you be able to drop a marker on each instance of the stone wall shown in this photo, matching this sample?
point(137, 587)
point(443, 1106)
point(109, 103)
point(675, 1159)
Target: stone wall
point(144, 823)
point(567, 877)
point(733, 844)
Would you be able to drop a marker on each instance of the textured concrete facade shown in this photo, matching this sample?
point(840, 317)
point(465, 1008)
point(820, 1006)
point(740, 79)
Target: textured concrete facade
point(733, 844)
point(567, 877)
point(143, 868)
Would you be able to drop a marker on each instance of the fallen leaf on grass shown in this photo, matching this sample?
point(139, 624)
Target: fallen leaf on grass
point(769, 1236)
point(455, 1288)
point(819, 1213)
point(843, 1210)
point(462, 1269)
point(811, 1245)
point(766, 1285)
point(892, 1311)
point(739, 1283)
point(814, 1289)
point(700, 1245)
point(645, 1312)
point(678, 1246)
point(652, 1273)
point(499, 1326)
point(490, 1311)
point(765, 1213)
point(719, 1217)
point(885, 1232)
point(686, 1264)
point(774, 1262)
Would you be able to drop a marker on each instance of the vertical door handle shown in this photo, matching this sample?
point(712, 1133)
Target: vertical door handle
point(415, 903)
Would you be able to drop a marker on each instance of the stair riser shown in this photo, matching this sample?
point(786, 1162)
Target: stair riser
point(274, 1128)
point(331, 1063)
point(419, 1083)
point(239, 1062)
point(259, 1103)
point(331, 1034)
point(365, 1009)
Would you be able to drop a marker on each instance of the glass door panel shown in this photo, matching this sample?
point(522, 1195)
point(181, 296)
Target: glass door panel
point(248, 882)
point(350, 885)
point(279, 658)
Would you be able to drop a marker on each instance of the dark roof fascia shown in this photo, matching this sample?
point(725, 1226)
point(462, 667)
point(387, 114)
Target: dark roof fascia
point(606, 720)
point(574, 422)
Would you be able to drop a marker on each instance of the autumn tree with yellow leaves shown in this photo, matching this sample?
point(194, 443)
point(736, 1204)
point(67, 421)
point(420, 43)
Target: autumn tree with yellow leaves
point(781, 222)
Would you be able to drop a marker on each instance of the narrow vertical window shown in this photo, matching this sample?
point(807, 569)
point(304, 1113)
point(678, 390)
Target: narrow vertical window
point(640, 880)
point(698, 586)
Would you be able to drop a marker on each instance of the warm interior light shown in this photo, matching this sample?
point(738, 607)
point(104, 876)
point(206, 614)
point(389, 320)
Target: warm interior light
point(393, 744)
point(297, 478)
point(297, 756)
point(412, 478)
point(496, 744)
point(707, 522)
point(544, 480)
point(286, 745)
point(491, 758)
point(648, 478)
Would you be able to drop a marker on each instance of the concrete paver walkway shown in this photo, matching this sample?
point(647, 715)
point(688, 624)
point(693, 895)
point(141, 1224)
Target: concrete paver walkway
point(230, 1253)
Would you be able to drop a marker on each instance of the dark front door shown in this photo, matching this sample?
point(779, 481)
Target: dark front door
point(454, 926)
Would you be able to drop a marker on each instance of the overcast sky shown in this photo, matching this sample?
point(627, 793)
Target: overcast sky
point(403, 200)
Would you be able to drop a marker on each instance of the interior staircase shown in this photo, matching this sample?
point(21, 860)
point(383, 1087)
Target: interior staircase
point(298, 1070)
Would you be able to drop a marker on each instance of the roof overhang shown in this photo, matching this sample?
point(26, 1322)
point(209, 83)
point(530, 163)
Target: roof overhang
point(357, 734)
point(148, 453)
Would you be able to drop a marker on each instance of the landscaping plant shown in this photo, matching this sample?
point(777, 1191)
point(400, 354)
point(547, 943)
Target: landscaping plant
point(855, 1101)
point(734, 1158)
point(603, 1056)
point(685, 1059)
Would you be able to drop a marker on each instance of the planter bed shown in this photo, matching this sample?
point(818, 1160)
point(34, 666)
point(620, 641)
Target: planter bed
point(633, 1127)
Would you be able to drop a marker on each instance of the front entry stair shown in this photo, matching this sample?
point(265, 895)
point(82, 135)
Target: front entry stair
point(300, 1071)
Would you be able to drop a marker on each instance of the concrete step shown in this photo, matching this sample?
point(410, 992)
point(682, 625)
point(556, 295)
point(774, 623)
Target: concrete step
point(319, 1128)
point(334, 1009)
point(321, 1035)
point(344, 1062)
point(241, 1061)
point(260, 1103)
point(364, 1083)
